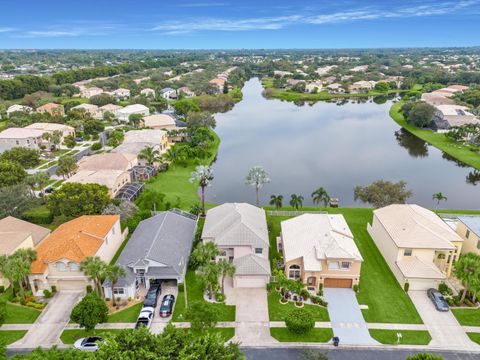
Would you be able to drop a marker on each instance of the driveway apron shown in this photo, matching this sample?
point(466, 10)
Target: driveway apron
point(346, 317)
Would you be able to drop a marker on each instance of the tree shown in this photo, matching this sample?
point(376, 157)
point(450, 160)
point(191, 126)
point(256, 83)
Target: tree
point(439, 197)
point(7, 271)
point(14, 200)
point(204, 253)
point(202, 316)
point(11, 173)
point(186, 106)
point(38, 180)
point(277, 201)
point(94, 268)
point(102, 99)
point(27, 256)
point(225, 268)
point(28, 158)
point(299, 321)
point(382, 193)
point(209, 274)
point(421, 115)
point(150, 154)
point(67, 166)
point(382, 86)
point(15, 269)
point(93, 126)
point(204, 176)
point(424, 356)
point(89, 312)
point(113, 273)
point(225, 88)
point(257, 177)
point(126, 209)
point(74, 199)
point(320, 195)
point(467, 271)
point(134, 119)
point(296, 201)
point(201, 119)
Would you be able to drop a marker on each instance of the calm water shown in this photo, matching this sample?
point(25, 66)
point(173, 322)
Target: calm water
point(330, 145)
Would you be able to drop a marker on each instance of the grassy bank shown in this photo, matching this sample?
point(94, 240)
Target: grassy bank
point(315, 335)
point(409, 337)
point(8, 337)
point(460, 152)
point(467, 317)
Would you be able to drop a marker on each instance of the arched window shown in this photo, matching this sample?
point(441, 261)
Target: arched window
point(73, 266)
point(61, 266)
point(294, 272)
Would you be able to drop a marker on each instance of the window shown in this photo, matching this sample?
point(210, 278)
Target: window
point(407, 252)
point(61, 266)
point(345, 265)
point(333, 265)
point(73, 266)
point(118, 291)
point(17, 142)
point(478, 244)
point(223, 253)
point(294, 272)
point(467, 234)
point(258, 250)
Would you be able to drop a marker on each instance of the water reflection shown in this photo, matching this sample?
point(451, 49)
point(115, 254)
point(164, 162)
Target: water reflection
point(415, 146)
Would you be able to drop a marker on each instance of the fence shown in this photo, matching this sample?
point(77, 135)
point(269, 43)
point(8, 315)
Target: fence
point(292, 213)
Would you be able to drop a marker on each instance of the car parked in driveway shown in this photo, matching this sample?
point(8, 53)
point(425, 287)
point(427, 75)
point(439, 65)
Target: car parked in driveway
point(438, 300)
point(152, 296)
point(145, 317)
point(166, 307)
point(87, 344)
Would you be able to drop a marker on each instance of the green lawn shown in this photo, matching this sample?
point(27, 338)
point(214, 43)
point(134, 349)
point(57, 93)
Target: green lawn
point(72, 335)
point(120, 249)
point(195, 293)
point(225, 333)
point(278, 312)
point(475, 337)
point(128, 315)
point(318, 335)
point(10, 336)
point(440, 141)
point(409, 337)
point(18, 314)
point(379, 289)
point(467, 317)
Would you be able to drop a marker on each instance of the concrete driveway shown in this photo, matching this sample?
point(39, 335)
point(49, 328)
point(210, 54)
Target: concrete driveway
point(159, 323)
point(346, 317)
point(46, 331)
point(442, 326)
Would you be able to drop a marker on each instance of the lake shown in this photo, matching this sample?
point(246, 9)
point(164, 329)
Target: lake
point(337, 146)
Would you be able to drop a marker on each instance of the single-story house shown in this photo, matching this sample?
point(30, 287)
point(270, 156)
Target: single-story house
point(320, 249)
point(120, 94)
point(447, 116)
point(52, 109)
point(158, 250)
point(59, 255)
point(111, 108)
point(114, 180)
point(436, 99)
point(20, 137)
point(65, 130)
point(90, 92)
point(159, 122)
point(362, 85)
point(124, 113)
point(168, 93)
point(108, 161)
point(90, 109)
point(18, 108)
point(418, 246)
point(240, 232)
point(148, 92)
point(185, 91)
point(151, 136)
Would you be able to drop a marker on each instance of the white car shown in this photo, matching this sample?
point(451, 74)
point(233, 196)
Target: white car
point(87, 344)
point(145, 317)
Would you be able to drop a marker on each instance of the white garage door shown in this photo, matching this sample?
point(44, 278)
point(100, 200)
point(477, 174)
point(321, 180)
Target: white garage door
point(250, 281)
point(71, 285)
point(423, 284)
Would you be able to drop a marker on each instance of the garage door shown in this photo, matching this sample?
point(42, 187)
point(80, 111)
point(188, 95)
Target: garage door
point(423, 284)
point(337, 283)
point(250, 281)
point(71, 285)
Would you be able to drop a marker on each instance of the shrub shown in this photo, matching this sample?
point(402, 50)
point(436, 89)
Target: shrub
point(35, 305)
point(356, 288)
point(47, 294)
point(3, 311)
point(444, 289)
point(89, 289)
point(219, 297)
point(54, 289)
point(270, 286)
point(299, 321)
point(319, 301)
point(129, 299)
point(107, 299)
point(38, 217)
point(181, 287)
point(468, 302)
point(305, 294)
point(202, 315)
point(406, 286)
point(96, 146)
point(424, 356)
point(320, 290)
point(2, 289)
point(456, 300)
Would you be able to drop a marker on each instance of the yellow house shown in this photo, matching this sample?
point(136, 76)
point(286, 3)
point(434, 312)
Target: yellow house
point(468, 227)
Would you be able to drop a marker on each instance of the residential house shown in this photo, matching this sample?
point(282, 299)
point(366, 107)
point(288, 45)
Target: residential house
point(219, 83)
point(89, 109)
point(111, 108)
point(18, 234)
point(282, 73)
point(168, 93)
point(138, 81)
point(150, 136)
point(468, 227)
point(120, 94)
point(108, 161)
point(59, 255)
point(90, 92)
point(325, 69)
point(447, 116)
point(436, 99)
point(418, 246)
point(185, 91)
point(311, 86)
point(362, 85)
point(18, 108)
point(240, 232)
point(159, 121)
point(335, 88)
point(124, 113)
point(52, 109)
point(114, 180)
point(20, 137)
point(147, 92)
point(319, 249)
point(158, 250)
point(65, 130)
point(360, 68)
point(330, 79)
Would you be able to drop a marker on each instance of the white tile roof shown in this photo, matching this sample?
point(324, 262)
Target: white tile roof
point(416, 268)
point(20, 133)
point(144, 136)
point(251, 265)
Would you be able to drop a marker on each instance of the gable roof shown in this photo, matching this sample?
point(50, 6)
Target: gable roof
point(236, 224)
point(14, 231)
point(412, 226)
point(152, 136)
point(158, 120)
point(21, 133)
point(251, 265)
point(472, 222)
point(103, 177)
point(74, 240)
point(107, 161)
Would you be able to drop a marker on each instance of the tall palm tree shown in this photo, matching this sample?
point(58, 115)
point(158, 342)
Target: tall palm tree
point(439, 197)
point(257, 177)
point(225, 268)
point(20, 269)
point(204, 175)
point(296, 201)
point(467, 271)
point(204, 253)
point(150, 154)
point(114, 273)
point(28, 256)
point(8, 272)
point(94, 268)
point(277, 201)
point(209, 275)
point(320, 195)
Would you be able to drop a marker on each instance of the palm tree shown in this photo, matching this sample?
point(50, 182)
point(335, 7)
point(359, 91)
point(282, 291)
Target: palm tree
point(204, 253)
point(7, 271)
point(257, 177)
point(225, 269)
point(296, 201)
point(20, 269)
point(467, 271)
point(439, 197)
point(204, 175)
point(277, 201)
point(320, 195)
point(150, 154)
point(209, 275)
point(114, 273)
point(28, 256)
point(94, 268)
point(39, 179)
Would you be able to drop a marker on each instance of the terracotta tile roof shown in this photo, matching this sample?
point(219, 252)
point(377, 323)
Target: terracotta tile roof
point(74, 240)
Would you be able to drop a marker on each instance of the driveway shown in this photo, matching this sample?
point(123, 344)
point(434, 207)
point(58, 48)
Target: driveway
point(346, 317)
point(159, 323)
point(443, 326)
point(46, 331)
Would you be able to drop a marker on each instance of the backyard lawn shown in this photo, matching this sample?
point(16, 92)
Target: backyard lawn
point(467, 317)
point(319, 335)
point(409, 337)
point(195, 293)
point(278, 312)
point(10, 336)
point(72, 335)
point(128, 315)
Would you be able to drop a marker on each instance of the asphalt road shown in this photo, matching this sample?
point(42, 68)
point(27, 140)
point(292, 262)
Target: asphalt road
point(346, 354)
point(78, 156)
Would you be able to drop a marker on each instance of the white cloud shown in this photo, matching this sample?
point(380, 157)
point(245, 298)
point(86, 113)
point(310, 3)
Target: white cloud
point(205, 4)
point(6, 29)
point(47, 33)
point(75, 28)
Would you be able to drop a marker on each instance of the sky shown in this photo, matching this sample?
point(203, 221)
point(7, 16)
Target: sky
point(237, 24)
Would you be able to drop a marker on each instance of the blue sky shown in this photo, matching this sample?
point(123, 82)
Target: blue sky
point(209, 24)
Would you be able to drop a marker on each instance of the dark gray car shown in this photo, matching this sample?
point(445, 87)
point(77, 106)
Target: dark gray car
point(438, 300)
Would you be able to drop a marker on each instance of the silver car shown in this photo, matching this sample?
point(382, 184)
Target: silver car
point(87, 344)
point(145, 318)
point(438, 300)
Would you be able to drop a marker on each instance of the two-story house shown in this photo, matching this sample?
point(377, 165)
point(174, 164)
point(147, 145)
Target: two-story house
point(417, 244)
point(320, 249)
point(240, 232)
point(468, 227)
point(59, 255)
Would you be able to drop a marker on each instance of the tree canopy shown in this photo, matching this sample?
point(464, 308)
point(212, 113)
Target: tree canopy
point(382, 193)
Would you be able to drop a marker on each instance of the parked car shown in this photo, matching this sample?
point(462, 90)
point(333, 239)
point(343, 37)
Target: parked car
point(152, 296)
point(145, 317)
point(87, 344)
point(49, 190)
point(78, 139)
point(438, 300)
point(166, 308)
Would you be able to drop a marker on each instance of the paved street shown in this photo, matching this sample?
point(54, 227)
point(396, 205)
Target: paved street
point(346, 317)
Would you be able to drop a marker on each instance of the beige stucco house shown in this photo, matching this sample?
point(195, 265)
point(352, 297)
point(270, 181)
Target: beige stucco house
point(151, 137)
point(60, 254)
point(108, 161)
point(418, 245)
point(159, 122)
point(468, 227)
point(320, 249)
point(240, 232)
point(112, 179)
point(20, 137)
point(65, 130)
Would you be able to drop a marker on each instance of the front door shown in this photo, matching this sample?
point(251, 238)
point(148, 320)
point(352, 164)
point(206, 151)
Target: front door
point(311, 281)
